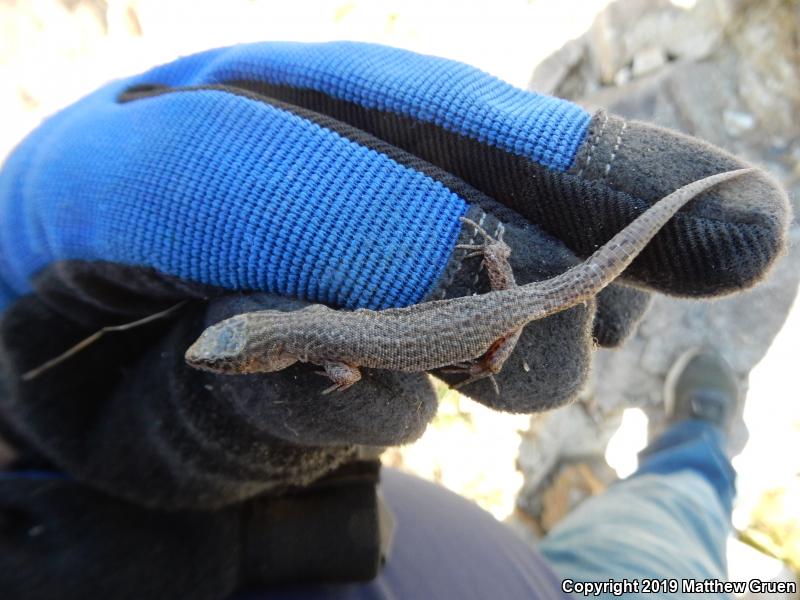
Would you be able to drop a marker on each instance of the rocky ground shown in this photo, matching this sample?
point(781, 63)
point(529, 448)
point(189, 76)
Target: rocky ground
point(726, 71)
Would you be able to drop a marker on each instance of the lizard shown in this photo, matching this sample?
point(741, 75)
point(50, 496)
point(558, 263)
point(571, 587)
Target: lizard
point(429, 335)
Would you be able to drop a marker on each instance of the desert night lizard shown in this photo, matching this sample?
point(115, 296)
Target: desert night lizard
point(429, 335)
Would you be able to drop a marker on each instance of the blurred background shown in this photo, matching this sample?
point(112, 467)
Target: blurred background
point(725, 70)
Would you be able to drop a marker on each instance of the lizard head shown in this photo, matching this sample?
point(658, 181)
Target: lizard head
point(233, 346)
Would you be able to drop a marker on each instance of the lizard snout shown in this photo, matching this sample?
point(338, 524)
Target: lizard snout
point(219, 347)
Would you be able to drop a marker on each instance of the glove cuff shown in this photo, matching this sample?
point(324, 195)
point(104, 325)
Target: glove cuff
point(62, 539)
point(337, 530)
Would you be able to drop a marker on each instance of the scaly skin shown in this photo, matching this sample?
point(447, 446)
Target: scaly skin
point(430, 335)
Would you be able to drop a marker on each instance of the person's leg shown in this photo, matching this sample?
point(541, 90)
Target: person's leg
point(654, 525)
point(696, 445)
point(670, 520)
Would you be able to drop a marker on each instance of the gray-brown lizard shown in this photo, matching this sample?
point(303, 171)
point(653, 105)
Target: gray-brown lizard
point(430, 335)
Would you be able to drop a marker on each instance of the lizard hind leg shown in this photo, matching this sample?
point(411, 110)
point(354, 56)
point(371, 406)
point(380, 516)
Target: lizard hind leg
point(477, 373)
point(484, 234)
point(488, 365)
point(342, 375)
point(477, 249)
point(488, 239)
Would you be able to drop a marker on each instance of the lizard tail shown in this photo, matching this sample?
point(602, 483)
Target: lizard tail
point(587, 279)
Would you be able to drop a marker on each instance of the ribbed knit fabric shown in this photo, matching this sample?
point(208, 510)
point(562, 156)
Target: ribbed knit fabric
point(456, 96)
point(223, 190)
point(620, 169)
point(240, 194)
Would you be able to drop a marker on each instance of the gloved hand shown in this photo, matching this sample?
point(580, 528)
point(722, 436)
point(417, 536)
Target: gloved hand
point(333, 173)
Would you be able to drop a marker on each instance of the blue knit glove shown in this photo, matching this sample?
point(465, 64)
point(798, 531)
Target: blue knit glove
point(329, 173)
point(580, 176)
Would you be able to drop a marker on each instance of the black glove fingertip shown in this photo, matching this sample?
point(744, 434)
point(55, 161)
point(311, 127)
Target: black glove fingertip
point(620, 308)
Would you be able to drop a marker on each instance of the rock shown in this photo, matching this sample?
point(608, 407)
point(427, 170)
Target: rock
point(737, 122)
point(623, 76)
point(648, 32)
point(525, 525)
point(613, 40)
point(551, 72)
point(769, 75)
point(569, 484)
point(574, 484)
point(648, 60)
point(727, 71)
